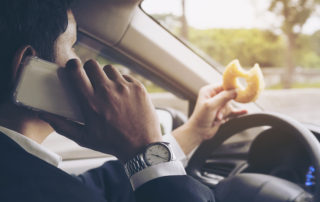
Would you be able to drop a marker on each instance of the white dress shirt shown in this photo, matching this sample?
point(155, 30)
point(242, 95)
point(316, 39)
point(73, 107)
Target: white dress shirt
point(164, 169)
point(32, 147)
point(161, 170)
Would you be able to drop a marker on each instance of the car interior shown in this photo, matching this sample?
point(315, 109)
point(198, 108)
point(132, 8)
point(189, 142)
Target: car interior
point(258, 148)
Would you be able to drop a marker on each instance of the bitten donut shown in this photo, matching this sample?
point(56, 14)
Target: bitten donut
point(253, 77)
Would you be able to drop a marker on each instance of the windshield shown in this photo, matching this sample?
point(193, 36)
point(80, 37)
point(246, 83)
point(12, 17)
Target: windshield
point(282, 36)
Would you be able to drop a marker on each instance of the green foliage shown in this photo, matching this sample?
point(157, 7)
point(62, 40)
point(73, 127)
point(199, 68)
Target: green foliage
point(307, 53)
point(315, 42)
point(295, 13)
point(250, 46)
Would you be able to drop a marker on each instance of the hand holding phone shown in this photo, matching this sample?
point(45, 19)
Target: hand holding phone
point(120, 118)
point(44, 86)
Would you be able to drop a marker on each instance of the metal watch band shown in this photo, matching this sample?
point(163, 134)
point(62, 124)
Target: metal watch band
point(138, 163)
point(135, 165)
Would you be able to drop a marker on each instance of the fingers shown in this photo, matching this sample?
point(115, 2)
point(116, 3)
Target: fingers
point(95, 73)
point(79, 79)
point(116, 76)
point(97, 76)
point(228, 112)
point(129, 78)
point(215, 90)
point(80, 83)
point(220, 114)
point(69, 129)
point(222, 98)
point(236, 113)
point(113, 73)
point(213, 87)
point(209, 91)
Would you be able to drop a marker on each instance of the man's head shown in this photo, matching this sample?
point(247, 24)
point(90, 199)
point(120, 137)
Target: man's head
point(43, 27)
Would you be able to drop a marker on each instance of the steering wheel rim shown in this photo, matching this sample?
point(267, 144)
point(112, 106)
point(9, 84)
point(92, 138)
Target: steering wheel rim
point(273, 120)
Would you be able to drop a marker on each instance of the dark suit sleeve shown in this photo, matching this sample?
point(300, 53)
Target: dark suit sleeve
point(174, 189)
point(111, 182)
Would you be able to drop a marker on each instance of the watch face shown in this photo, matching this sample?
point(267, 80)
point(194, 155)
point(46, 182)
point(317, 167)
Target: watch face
point(157, 153)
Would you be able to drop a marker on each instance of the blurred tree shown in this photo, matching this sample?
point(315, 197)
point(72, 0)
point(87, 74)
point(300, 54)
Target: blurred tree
point(250, 46)
point(268, 48)
point(184, 23)
point(178, 25)
point(170, 21)
point(315, 42)
point(307, 53)
point(294, 13)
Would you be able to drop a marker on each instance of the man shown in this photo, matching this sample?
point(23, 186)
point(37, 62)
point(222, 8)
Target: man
point(111, 104)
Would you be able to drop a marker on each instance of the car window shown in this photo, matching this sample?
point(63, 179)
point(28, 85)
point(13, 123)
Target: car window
point(88, 48)
point(282, 36)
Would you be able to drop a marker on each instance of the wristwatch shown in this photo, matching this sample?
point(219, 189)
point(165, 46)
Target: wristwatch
point(155, 153)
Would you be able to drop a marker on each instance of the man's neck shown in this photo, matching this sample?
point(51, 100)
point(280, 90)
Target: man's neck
point(24, 122)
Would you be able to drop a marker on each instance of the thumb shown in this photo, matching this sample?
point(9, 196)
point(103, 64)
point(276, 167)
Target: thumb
point(222, 98)
point(67, 128)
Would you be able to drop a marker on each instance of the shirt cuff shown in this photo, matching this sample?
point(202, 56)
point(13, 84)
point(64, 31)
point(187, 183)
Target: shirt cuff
point(177, 150)
point(160, 170)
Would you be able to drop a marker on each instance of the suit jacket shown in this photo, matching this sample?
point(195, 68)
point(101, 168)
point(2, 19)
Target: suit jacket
point(26, 178)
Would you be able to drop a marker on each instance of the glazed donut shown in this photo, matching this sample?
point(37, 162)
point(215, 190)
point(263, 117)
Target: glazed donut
point(253, 77)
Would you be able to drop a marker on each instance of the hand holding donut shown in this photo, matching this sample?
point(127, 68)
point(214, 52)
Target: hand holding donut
point(211, 111)
point(253, 77)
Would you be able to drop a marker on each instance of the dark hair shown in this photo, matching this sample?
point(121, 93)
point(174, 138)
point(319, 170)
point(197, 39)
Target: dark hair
point(29, 22)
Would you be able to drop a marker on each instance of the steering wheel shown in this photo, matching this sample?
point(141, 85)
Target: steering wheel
point(258, 187)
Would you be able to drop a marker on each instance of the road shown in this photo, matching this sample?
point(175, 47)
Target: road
point(301, 104)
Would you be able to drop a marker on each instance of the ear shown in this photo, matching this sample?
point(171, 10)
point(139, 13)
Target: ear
point(18, 59)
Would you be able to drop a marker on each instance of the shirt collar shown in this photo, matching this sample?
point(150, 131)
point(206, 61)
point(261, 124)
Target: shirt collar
point(32, 147)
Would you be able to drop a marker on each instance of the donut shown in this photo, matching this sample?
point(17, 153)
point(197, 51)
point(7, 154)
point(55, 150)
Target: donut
point(253, 77)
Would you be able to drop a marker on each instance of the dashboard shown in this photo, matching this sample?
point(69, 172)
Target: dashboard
point(272, 152)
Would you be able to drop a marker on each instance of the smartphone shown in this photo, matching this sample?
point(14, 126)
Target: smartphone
point(43, 86)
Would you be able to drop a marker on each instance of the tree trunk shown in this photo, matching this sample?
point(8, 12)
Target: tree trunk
point(184, 24)
point(287, 77)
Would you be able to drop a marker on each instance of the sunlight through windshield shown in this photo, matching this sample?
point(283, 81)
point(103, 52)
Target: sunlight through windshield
point(282, 36)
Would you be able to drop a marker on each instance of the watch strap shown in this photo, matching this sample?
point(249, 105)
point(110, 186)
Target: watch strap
point(135, 165)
